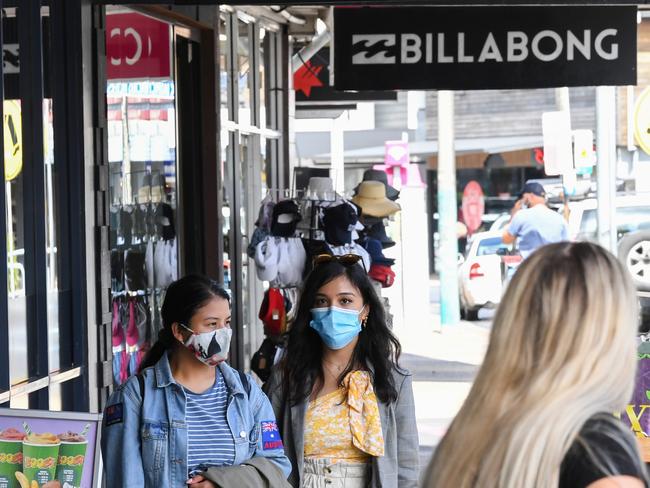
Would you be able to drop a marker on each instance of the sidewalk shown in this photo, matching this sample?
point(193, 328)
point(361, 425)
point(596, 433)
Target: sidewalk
point(444, 363)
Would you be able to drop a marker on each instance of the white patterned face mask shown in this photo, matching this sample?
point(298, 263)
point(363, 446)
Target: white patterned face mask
point(210, 348)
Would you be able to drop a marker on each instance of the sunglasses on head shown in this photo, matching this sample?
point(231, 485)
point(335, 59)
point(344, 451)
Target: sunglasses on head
point(344, 259)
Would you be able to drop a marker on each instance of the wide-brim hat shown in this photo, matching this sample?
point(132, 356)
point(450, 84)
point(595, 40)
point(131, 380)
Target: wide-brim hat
point(371, 197)
point(378, 175)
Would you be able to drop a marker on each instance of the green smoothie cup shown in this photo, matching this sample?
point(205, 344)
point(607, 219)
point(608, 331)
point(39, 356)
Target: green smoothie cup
point(72, 455)
point(40, 456)
point(11, 460)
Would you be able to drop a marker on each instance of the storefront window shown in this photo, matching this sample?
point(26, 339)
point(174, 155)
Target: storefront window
point(244, 64)
point(223, 68)
point(262, 77)
point(143, 203)
point(15, 187)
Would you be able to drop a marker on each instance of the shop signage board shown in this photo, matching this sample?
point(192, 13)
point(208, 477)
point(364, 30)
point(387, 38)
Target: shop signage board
point(396, 153)
point(137, 47)
point(312, 84)
point(473, 48)
point(13, 139)
point(584, 155)
point(558, 148)
point(37, 447)
point(642, 121)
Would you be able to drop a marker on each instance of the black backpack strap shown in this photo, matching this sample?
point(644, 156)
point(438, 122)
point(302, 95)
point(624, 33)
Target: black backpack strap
point(140, 377)
point(245, 382)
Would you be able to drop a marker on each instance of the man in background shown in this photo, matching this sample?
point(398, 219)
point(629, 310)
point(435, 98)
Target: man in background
point(533, 223)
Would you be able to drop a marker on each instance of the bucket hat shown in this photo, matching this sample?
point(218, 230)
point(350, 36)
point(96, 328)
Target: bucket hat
point(378, 175)
point(371, 197)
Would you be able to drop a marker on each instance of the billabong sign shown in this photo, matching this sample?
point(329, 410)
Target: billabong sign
point(480, 47)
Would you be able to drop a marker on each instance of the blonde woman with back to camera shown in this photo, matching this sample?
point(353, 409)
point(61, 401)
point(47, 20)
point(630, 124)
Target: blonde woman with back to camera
point(561, 360)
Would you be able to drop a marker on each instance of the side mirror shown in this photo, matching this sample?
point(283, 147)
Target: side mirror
point(461, 259)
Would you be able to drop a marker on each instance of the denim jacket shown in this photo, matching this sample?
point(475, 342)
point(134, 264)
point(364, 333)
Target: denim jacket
point(145, 444)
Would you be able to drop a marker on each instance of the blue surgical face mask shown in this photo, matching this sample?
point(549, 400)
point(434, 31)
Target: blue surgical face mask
point(337, 327)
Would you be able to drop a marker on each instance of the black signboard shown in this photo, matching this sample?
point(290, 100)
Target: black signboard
point(312, 84)
point(454, 48)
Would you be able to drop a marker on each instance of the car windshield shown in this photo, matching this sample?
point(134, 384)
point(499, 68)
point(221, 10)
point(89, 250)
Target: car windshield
point(628, 219)
point(490, 246)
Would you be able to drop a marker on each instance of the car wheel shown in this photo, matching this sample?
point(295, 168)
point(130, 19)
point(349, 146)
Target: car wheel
point(634, 252)
point(471, 314)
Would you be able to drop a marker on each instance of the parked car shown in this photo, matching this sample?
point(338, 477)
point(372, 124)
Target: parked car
point(482, 273)
point(632, 214)
point(633, 236)
point(501, 222)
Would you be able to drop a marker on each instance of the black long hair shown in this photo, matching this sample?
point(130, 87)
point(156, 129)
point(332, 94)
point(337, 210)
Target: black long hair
point(377, 346)
point(182, 299)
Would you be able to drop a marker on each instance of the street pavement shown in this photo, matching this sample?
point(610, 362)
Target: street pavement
point(444, 362)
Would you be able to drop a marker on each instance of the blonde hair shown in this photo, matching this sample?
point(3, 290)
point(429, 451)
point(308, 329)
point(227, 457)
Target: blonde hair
point(562, 350)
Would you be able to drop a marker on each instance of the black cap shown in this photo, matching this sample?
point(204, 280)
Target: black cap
point(339, 222)
point(534, 188)
point(285, 218)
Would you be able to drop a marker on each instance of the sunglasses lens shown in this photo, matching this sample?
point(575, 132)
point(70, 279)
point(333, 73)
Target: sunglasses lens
point(349, 259)
point(322, 258)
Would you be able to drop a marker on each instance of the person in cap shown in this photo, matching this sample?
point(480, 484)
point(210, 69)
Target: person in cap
point(343, 403)
point(533, 223)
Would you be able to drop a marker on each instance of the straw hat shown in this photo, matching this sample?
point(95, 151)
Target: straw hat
point(378, 175)
point(371, 197)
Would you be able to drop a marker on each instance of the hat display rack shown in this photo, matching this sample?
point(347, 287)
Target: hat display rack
point(377, 200)
point(143, 257)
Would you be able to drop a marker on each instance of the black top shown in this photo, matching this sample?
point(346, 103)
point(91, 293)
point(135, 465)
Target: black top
point(599, 443)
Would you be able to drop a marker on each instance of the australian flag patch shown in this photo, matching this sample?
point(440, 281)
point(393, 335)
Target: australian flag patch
point(271, 435)
point(114, 414)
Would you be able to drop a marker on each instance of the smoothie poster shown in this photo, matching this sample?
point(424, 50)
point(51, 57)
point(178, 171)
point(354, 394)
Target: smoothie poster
point(40, 449)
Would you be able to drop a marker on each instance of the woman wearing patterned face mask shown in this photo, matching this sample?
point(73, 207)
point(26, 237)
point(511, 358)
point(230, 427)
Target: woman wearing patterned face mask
point(344, 405)
point(188, 417)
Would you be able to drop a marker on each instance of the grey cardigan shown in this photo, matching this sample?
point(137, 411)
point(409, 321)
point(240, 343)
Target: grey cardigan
point(397, 468)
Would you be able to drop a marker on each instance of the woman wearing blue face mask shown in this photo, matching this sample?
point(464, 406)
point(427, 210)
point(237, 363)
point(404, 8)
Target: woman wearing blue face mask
point(344, 405)
point(188, 417)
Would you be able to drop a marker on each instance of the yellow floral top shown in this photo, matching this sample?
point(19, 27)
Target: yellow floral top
point(344, 425)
